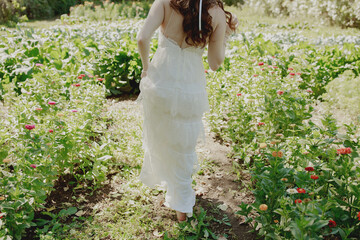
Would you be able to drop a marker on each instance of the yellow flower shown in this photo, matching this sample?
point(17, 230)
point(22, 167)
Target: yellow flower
point(6, 160)
point(263, 207)
point(263, 145)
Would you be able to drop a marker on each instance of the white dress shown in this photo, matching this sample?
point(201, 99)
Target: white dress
point(174, 98)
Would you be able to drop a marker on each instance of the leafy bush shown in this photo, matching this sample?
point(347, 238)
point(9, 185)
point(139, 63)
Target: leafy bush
point(11, 11)
point(341, 12)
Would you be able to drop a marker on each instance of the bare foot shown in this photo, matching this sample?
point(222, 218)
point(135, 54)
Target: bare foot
point(181, 216)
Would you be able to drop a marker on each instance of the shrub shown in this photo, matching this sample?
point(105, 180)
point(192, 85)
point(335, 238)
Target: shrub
point(345, 13)
point(10, 11)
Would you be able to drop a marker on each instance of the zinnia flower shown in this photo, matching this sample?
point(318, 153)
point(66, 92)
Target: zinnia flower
point(38, 109)
point(315, 177)
point(50, 130)
point(285, 180)
point(301, 190)
point(238, 94)
point(206, 71)
point(90, 76)
point(291, 191)
point(261, 124)
point(292, 74)
point(39, 64)
point(290, 69)
point(255, 75)
point(29, 127)
point(298, 201)
point(33, 165)
point(263, 207)
point(1, 216)
point(298, 73)
point(343, 151)
point(77, 85)
point(309, 169)
point(309, 91)
point(280, 92)
point(275, 67)
point(358, 216)
point(263, 145)
point(80, 77)
point(74, 110)
point(261, 63)
point(332, 223)
point(100, 79)
point(51, 103)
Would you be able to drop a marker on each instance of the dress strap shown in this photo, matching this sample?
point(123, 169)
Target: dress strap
point(168, 23)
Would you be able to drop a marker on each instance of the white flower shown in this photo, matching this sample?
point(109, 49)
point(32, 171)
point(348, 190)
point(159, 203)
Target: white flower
point(292, 191)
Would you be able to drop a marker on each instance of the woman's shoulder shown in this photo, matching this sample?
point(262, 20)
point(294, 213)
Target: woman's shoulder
point(217, 13)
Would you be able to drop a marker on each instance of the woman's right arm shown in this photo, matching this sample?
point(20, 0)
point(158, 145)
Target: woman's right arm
point(216, 49)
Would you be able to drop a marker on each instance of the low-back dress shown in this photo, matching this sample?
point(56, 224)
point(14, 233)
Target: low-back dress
point(174, 99)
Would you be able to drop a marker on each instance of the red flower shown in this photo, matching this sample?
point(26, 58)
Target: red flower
point(275, 67)
point(255, 75)
point(77, 85)
point(292, 74)
point(50, 130)
point(298, 201)
point(309, 169)
point(332, 223)
point(82, 75)
point(74, 110)
point(343, 151)
point(51, 103)
point(100, 79)
point(261, 63)
point(33, 165)
point(280, 92)
point(358, 216)
point(79, 77)
point(29, 127)
point(290, 69)
point(238, 94)
point(261, 124)
point(301, 190)
point(263, 69)
point(315, 177)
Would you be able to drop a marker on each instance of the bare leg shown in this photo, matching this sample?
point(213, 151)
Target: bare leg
point(181, 216)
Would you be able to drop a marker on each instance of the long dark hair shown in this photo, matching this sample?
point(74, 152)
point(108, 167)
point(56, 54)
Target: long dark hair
point(190, 10)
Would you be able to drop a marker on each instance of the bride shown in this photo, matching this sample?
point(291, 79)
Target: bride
point(173, 91)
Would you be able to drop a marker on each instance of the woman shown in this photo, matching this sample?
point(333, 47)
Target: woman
point(173, 91)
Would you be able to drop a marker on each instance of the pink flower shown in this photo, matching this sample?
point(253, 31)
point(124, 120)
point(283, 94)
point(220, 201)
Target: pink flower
point(290, 69)
point(280, 92)
point(298, 73)
point(39, 65)
point(292, 74)
point(90, 76)
point(51, 103)
point(74, 110)
point(28, 93)
point(275, 67)
point(33, 165)
point(29, 127)
point(309, 91)
point(261, 63)
point(50, 130)
point(38, 109)
point(100, 79)
point(82, 75)
point(238, 94)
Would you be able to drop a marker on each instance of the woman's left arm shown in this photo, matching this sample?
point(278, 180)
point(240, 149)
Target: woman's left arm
point(152, 22)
